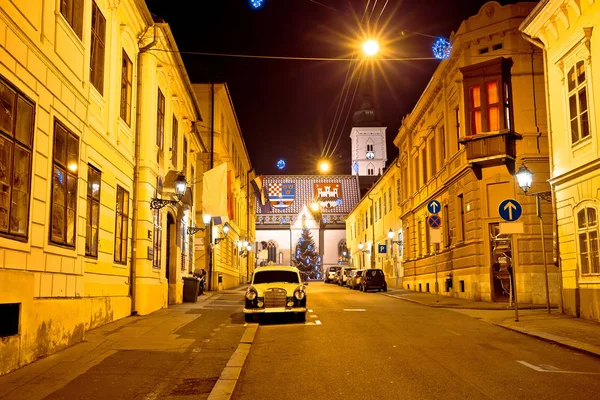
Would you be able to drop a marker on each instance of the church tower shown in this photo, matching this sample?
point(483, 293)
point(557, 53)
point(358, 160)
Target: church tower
point(369, 153)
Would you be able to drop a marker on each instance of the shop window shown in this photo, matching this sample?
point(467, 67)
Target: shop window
point(64, 186)
point(92, 212)
point(17, 116)
point(587, 233)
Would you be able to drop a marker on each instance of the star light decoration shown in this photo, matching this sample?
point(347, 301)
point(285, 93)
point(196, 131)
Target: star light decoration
point(281, 164)
point(256, 3)
point(441, 48)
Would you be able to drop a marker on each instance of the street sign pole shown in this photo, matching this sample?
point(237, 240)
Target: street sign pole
point(514, 275)
point(437, 287)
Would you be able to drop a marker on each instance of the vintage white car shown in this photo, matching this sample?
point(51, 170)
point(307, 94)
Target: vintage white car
point(276, 289)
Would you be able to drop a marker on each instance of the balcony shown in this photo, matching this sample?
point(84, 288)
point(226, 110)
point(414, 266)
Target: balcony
point(491, 149)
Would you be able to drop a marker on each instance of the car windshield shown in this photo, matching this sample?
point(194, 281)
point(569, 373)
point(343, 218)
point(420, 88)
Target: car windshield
point(333, 269)
point(359, 273)
point(349, 272)
point(276, 276)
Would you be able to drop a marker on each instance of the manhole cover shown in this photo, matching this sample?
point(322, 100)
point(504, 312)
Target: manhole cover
point(194, 386)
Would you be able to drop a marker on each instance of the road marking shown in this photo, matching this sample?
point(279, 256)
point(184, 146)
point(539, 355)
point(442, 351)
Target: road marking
point(318, 322)
point(313, 316)
point(310, 310)
point(550, 368)
point(354, 309)
point(454, 333)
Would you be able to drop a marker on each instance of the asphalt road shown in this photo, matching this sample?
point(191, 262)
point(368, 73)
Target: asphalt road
point(371, 346)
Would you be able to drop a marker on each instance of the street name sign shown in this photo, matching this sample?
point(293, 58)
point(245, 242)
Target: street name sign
point(434, 207)
point(382, 248)
point(510, 210)
point(434, 221)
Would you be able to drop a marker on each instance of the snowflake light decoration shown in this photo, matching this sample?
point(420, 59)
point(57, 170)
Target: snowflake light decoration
point(281, 164)
point(441, 48)
point(256, 3)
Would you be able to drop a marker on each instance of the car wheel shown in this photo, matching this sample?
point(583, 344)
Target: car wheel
point(301, 317)
point(384, 288)
point(249, 317)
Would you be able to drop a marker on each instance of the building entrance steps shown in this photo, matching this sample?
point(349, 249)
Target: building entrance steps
point(575, 333)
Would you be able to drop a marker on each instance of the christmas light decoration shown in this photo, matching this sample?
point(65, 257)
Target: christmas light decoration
point(441, 48)
point(256, 3)
point(281, 164)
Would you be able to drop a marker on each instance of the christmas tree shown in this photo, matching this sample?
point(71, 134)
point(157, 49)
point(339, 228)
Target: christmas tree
point(307, 257)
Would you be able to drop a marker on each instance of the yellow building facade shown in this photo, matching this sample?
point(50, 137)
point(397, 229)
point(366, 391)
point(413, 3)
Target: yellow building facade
point(564, 30)
point(79, 166)
point(481, 116)
point(228, 262)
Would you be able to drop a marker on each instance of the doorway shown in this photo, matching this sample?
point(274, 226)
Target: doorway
point(501, 264)
point(171, 269)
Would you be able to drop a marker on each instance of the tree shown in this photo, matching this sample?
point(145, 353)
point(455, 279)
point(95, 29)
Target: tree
point(307, 257)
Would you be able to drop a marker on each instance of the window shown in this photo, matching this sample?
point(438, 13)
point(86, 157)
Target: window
point(432, 155)
point(487, 94)
point(398, 189)
point(343, 250)
point(17, 115)
point(457, 126)
point(461, 216)
point(587, 232)
point(64, 186)
point(184, 155)
point(370, 171)
point(442, 142)
point(126, 79)
point(424, 161)
point(160, 121)
point(390, 199)
point(446, 224)
point(272, 252)
point(97, 47)
point(72, 10)
point(370, 147)
point(121, 225)
point(379, 207)
point(578, 103)
point(427, 239)
point(417, 166)
point(93, 211)
point(156, 240)
point(174, 139)
point(419, 239)
point(384, 204)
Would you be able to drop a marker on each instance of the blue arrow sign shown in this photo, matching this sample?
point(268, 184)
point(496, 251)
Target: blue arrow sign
point(434, 207)
point(381, 248)
point(510, 210)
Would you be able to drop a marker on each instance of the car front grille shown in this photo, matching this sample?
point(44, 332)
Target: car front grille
point(275, 297)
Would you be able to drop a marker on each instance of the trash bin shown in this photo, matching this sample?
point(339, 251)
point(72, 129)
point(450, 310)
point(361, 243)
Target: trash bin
point(190, 289)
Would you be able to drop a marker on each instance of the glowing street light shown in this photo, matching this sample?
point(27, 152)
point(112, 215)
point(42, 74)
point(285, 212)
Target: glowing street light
point(370, 47)
point(324, 166)
point(314, 206)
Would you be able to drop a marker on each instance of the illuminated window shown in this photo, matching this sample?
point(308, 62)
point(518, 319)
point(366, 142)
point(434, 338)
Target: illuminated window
point(64, 186)
point(587, 231)
point(17, 116)
point(97, 48)
point(578, 103)
point(126, 84)
point(121, 225)
point(72, 10)
point(93, 211)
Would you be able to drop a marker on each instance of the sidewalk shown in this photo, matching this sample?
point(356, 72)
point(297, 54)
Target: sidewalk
point(575, 333)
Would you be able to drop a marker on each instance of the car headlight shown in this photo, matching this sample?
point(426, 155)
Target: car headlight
point(299, 294)
point(250, 295)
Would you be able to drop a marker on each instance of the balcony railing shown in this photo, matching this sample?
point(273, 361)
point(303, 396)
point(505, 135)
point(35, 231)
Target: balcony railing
point(491, 149)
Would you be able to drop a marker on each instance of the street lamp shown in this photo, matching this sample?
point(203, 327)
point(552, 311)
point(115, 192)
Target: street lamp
point(370, 47)
point(324, 166)
point(180, 188)
point(194, 229)
point(524, 179)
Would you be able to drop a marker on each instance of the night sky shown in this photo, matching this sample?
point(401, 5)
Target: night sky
point(286, 108)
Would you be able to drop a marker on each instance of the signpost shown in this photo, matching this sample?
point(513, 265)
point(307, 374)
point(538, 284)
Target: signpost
point(434, 221)
point(510, 210)
point(434, 207)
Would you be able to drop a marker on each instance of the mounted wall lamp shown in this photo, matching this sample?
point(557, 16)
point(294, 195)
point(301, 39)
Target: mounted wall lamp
point(180, 188)
point(361, 248)
point(225, 231)
point(246, 248)
point(391, 237)
point(195, 229)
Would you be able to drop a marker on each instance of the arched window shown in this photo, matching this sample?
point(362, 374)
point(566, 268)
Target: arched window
point(578, 102)
point(587, 233)
point(272, 251)
point(343, 250)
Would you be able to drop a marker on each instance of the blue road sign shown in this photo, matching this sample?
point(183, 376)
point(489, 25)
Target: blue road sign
point(510, 210)
point(381, 248)
point(434, 221)
point(434, 207)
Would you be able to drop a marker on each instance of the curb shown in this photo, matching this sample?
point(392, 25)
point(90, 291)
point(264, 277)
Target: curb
point(459, 307)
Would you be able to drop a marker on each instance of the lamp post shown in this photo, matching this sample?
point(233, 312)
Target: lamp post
point(524, 179)
point(390, 235)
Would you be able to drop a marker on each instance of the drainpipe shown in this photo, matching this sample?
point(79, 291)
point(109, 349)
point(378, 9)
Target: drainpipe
point(212, 161)
point(136, 169)
point(538, 43)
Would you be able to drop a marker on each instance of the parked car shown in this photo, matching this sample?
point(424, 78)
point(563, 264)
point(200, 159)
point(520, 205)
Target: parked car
point(354, 282)
point(330, 273)
point(276, 289)
point(373, 279)
point(344, 275)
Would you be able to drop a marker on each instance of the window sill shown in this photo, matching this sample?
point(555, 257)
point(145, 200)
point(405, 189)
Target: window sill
point(581, 143)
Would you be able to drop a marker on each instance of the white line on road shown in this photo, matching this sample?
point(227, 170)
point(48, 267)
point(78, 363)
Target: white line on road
point(550, 368)
point(354, 309)
point(313, 316)
point(318, 322)
point(454, 333)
